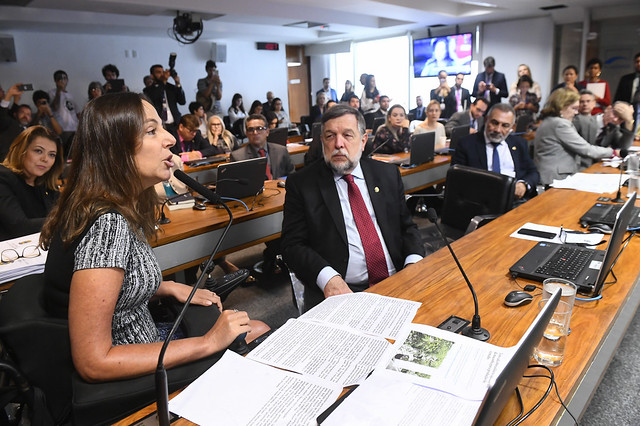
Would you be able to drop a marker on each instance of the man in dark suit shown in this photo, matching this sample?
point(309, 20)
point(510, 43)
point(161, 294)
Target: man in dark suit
point(190, 145)
point(460, 97)
point(165, 97)
point(12, 122)
point(346, 225)
point(629, 90)
point(419, 111)
point(473, 117)
point(490, 84)
point(479, 150)
point(278, 160)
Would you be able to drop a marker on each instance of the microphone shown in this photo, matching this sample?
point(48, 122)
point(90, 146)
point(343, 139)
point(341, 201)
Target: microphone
point(197, 186)
point(377, 148)
point(475, 331)
point(619, 199)
point(163, 218)
point(162, 384)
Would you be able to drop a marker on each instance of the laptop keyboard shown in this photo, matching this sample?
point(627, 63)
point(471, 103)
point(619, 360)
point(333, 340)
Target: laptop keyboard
point(566, 263)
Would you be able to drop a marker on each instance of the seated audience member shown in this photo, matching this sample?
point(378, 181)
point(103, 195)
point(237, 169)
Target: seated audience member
point(94, 90)
point(419, 112)
point(354, 102)
point(348, 90)
point(12, 122)
point(525, 102)
point(496, 149)
point(29, 181)
point(236, 110)
point(317, 109)
point(587, 125)
point(473, 117)
point(266, 106)
point(105, 298)
point(256, 108)
point(220, 137)
point(570, 75)
point(431, 124)
point(283, 117)
point(272, 119)
point(110, 72)
point(394, 135)
point(558, 146)
point(279, 162)
point(328, 240)
point(594, 70)
point(197, 109)
point(384, 107)
point(369, 101)
point(441, 95)
point(190, 145)
point(43, 116)
point(524, 69)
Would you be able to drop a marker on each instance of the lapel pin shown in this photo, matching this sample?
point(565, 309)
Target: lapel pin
point(376, 189)
point(513, 148)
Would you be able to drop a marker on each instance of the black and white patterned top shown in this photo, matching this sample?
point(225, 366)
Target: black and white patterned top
point(111, 243)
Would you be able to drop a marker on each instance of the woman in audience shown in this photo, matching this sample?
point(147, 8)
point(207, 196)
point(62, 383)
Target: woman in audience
point(283, 118)
point(219, 136)
point(523, 69)
point(272, 119)
point(558, 146)
point(525, 102)
point(394, 135)
point(94, 90)
point(29, 181)
point(369, 101)
point(348, 91)
point(256, 107)
point(570, 75)
point(597, 86)
point(441, 94)
point(101, 271)
point(431, 124)
point(236, 110)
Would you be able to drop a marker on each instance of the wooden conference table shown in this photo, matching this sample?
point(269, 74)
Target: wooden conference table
point(190, 236)
point(486, 254)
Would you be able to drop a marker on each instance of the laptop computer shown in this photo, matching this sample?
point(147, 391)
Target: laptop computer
point(606, 213)
point(457, 133)
point(206, 160)
point(278, 136)
point(587, 268)
point(503, 386)
point(421, 149)
point(241, 179)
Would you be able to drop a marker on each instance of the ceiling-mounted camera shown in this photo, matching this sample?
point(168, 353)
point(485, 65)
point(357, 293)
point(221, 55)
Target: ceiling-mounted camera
point(185, 29)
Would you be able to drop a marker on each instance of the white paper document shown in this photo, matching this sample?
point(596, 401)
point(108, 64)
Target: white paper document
point(23, 265)
point(591, 182)
point(236, 391)
point(332, 353)
point(370, 313)
point(570, 236)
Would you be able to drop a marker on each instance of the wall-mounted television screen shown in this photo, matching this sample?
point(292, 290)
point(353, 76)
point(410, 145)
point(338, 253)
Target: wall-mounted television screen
point(450, 53)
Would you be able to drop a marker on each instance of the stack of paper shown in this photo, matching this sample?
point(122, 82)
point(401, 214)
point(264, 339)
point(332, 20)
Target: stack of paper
point(23, 265)
point(591, 182)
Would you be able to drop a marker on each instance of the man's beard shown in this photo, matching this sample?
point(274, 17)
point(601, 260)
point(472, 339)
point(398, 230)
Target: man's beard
point(494, 137)
point(343, 167)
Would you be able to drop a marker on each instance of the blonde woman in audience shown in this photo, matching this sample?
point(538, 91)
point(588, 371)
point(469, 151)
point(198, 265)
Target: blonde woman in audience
point(523, 69)
point(394, 135)
point(219, 136)
point(431, 124)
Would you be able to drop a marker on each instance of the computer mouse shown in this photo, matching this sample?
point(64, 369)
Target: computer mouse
point(599, 228)
point(199, 206)
point(517, 298)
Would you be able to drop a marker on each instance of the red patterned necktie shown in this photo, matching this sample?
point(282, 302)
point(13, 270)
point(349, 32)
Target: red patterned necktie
point(263, 154)
point(373, 252)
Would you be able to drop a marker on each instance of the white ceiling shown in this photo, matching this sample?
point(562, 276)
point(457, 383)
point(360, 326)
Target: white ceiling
point(266, 20)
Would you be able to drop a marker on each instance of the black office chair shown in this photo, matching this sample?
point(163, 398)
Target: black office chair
point(238, 129)
point(368, 120)
point(38, 346)
point(377, 122)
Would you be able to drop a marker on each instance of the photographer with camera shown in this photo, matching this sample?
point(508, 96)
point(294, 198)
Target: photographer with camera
point(44, 116)
point(165, 96)
point(210, 90)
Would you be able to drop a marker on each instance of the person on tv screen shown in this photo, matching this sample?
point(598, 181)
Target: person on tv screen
point(439, 58)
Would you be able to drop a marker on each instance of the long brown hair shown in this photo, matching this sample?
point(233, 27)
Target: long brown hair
point(103, 174)
point(14, 160)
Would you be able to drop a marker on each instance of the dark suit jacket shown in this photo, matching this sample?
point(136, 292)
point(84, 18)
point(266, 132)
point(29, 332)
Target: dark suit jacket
point(279, 160)
point(465, 99)
point(623, 92)
point(471, 151)
point(462, 118)
point(313, 231)
point(419, 113)
point(449, 103)
point(9, 130)
point(197, 144)
point(498, 80)
point(175, 95)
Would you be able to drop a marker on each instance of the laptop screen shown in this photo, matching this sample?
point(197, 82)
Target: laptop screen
point(241, 179)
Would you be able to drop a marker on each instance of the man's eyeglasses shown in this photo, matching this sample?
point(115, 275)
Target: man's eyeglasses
point(256, 129)
point(11, 255)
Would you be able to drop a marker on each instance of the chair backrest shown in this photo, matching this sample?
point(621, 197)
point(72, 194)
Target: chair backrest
point(37, 342)
point(377, 122)
point(470, 192)
point(522, 123)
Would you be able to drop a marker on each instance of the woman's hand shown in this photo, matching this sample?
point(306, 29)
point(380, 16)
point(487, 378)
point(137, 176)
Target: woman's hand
point(229, 325)
point(181, 292)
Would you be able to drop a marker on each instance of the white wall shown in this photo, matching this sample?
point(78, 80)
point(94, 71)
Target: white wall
point(525, 41)
point(247, 70)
